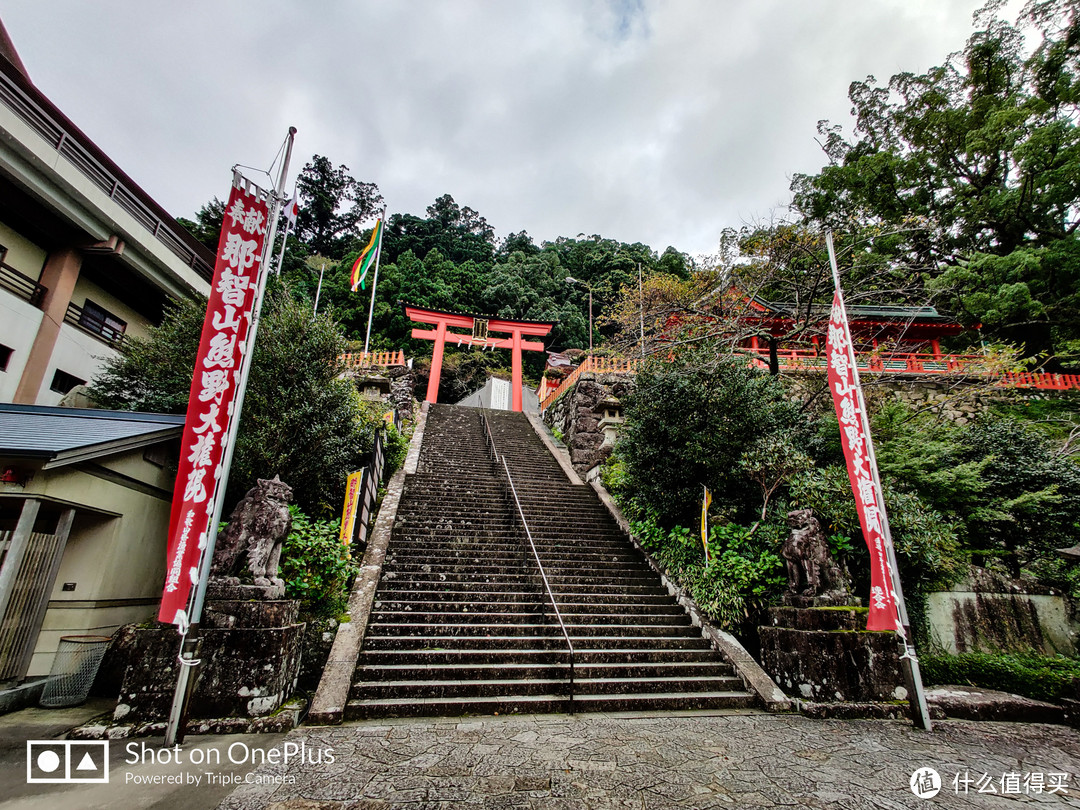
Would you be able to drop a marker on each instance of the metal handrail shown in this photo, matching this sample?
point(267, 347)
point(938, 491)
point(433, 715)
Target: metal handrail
point(21, 285)
point(536, 555)
point(488, 438)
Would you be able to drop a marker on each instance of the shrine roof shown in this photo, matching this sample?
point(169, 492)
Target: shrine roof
point(857, 311)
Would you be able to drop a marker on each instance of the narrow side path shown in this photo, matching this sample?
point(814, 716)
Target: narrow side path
point(698, 760)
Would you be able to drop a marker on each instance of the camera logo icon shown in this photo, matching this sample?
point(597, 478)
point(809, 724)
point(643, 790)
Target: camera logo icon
point(67, 761)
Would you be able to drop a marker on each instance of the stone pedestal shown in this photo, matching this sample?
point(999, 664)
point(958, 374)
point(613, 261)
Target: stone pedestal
point(826, 654)
point(250, 655)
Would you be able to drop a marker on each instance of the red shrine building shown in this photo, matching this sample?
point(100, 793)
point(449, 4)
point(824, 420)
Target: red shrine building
point(893, 338)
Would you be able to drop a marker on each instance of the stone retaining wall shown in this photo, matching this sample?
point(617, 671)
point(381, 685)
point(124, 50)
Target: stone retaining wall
point(574, 416)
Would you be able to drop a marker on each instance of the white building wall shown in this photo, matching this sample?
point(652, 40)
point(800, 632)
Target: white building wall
point(19, 323)
point(77, 353)
point(22, 254)
point(137, 323)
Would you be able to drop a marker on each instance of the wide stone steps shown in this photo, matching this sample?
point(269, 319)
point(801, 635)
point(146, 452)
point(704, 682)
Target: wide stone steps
point(528, 625)
point(436, 659)
point(487, 607)
point(553, 569)
point(461, 624)
point(449, 600)
point(546, 704)
point(457, 547)
point(509, 592)
point(494, 578)
point(555, 682)
point(549, 638)
point(582, 616)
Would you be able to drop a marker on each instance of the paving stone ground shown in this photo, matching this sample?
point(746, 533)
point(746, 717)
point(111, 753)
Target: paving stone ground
point(558, 762)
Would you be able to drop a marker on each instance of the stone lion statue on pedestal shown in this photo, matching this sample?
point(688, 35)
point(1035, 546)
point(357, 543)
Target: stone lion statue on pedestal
point(258, 526)
point(811, 569)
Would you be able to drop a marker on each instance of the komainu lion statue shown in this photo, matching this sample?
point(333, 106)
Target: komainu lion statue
point(258, 526)
point(808, 559)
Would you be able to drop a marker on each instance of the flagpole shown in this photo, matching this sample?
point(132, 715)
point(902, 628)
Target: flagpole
point(318, 290)
point(375, 282)
point(909, 662)
point(174, 732)
point(284, 239)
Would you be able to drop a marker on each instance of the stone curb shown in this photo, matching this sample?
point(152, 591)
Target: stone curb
point(559, 453)
point(328, 705)
point(756, 678)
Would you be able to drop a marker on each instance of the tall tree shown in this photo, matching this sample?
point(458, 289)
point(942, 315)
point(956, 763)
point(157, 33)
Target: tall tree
point(458, 233)
point(206, 226)
point(301, 420)
point(333, 206)
point(971, 174)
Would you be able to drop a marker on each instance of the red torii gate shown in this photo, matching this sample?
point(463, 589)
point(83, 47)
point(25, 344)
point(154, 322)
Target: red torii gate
point(478, 336)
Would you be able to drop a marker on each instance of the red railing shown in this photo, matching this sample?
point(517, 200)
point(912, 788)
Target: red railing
point(911, 363)
point(600, 365)
point(369, 359)
point(895, 363)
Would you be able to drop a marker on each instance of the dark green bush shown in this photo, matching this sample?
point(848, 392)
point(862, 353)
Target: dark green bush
point(316, 566)
point(688, 424)
point(1041, 677)
point(743, 577)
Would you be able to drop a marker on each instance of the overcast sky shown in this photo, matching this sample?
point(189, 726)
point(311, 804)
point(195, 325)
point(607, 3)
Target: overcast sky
point(661, 122)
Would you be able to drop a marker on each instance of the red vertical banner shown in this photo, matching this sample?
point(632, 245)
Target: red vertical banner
point(855, 438)
point(213, 388)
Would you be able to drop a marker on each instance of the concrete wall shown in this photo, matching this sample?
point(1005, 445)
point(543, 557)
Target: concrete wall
point(19, 323)
point(22, 254)
point(138, 324)
point(18, 319)
point(989, 613)
point(75, 352)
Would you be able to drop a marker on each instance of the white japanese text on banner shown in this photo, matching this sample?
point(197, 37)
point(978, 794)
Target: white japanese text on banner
point(855, 440)
point(213, 387)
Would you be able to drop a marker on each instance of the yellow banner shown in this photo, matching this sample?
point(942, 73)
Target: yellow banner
point(352, 501)
point(705, 502)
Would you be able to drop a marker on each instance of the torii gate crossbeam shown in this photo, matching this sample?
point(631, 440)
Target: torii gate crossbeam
point(443, 321)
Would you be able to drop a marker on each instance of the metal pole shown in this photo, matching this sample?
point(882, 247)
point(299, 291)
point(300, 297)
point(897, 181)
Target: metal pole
point(284, 239)
point(374, 282)
point(641, 309)
point(590, 321)
point(318, 290)
point(920, 712)
point(174, 730)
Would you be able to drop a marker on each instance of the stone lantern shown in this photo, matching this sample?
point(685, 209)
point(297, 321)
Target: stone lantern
point(610, 410)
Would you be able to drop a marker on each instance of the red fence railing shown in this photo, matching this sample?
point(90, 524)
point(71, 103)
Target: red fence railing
point(601, 365)
point(369, 359)
point(895, 363)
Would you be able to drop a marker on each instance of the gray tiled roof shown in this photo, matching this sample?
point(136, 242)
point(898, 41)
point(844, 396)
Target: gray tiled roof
point(37, 431)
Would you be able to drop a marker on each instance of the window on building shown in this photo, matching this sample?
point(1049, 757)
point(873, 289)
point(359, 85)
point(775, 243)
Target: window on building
point(100, 321)
point(62, 382)
point(5, 356)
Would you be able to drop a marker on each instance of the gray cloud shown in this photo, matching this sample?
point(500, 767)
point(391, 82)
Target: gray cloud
point(659, 121)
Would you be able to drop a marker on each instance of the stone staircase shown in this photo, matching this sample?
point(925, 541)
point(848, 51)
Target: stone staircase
point(461, 622)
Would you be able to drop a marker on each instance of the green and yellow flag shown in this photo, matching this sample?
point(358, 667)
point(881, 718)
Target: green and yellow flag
point(368, 257)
